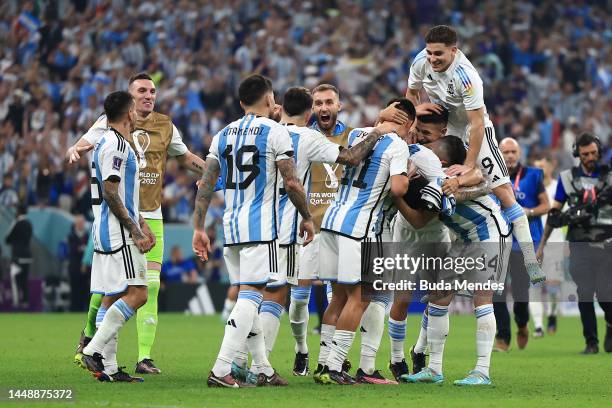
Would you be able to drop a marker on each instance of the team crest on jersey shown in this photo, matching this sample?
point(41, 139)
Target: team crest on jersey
point(142, 141)
point(451, 88)
point(117, 163)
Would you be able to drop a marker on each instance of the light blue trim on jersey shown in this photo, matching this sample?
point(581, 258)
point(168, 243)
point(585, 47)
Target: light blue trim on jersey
point(130, 174)
point(463, 233)
point(104, 211)
point(478, 219)
point(348, 224)
point(463, 76)
point(261, 142)
point(282, 203)
point(413, 149)
point(422, 54)
point(240, 178)
point(513, 213)
point(234, 212)
point(117, 292)
point(342, 195)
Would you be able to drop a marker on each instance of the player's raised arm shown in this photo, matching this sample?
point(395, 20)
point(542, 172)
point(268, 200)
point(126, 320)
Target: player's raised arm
point(355, 154)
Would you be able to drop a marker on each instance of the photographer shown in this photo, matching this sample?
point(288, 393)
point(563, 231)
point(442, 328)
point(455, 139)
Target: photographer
point(587, 189)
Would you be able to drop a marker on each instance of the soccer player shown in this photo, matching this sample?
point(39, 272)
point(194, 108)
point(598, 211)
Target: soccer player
point(324, 182)
point(309, 147)
point(531, 195)
point(154, 140)
point(430, 126)
point(477, 221)
point(247, 154)
point(450, 80)
point(121, 237)
point(348, 222)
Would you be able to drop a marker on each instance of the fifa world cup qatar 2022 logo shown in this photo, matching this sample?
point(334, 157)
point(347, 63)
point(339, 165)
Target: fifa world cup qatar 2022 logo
point(142, 141)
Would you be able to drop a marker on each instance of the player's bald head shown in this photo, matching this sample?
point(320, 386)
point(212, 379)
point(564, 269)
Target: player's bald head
point(509, 142)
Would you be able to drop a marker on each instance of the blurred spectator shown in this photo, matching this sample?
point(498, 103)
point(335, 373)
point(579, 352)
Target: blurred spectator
point(19, 239)
point(79, 278)
point(178, 269)
point(8, 194)
point(545, 64)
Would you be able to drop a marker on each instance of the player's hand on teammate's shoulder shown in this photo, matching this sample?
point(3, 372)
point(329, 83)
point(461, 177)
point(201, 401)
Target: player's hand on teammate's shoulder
point(428, 108)
point(458, 169)
point(73, 154)
point(450, 185)
point(392, 114)
point(201, 244)
point(307, 230)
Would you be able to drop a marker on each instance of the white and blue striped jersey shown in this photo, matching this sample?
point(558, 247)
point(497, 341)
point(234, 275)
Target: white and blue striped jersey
point(458, 89)
point(363, 188)
point(113, 158)
point(309, 146)
point(428, 165)
point(477, 220)
point(247, 151)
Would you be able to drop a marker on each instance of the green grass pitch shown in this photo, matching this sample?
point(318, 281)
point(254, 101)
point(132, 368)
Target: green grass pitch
point(36, 352)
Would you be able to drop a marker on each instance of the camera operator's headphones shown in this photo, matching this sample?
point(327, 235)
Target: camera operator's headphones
point(586, 139)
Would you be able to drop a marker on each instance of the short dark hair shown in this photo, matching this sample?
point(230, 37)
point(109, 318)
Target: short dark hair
point(140, 75)
point(117, 104)
point(454, 149)
point(326, 87)
point(253, 88)
point(586, 139)
point(436, 118)
point(441, 34)
point(297, 100)
point(404, 105)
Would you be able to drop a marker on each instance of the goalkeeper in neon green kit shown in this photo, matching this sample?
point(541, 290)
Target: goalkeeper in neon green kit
point(154, 140)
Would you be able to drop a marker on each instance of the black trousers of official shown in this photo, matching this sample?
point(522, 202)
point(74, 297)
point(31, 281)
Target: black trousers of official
point(591, 270)
point(520, 293)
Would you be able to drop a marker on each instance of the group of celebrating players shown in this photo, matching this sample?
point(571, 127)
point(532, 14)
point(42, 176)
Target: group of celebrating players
point(308, 200)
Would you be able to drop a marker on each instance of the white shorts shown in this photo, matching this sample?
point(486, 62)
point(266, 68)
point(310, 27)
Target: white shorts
point(496, 252)
point(111, 274)
point(288, 260)
point(309, 260)
point(340, 258)
point(251, 264)
point(491, 160)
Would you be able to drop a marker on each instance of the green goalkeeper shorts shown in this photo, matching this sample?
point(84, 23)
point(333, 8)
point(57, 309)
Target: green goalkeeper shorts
point(156, 254)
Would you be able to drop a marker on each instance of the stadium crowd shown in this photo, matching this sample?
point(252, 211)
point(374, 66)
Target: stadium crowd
point(545, 64)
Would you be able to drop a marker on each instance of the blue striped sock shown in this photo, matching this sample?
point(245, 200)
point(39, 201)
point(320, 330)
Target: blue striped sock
point(100, 316)
point(251, 295)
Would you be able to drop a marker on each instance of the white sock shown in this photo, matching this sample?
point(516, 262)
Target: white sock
point(485, 336)
point(269, 314)
point(520, 230)
point(299, 315)
point(257, 347)
point(537, 309)
point(421, 344)
point(397, 334)
point(238, 327)
point(110, 356)
point(328, 292)
point(228, 305)
point(372, 327)
point(114, 318)
point(437, 331)
point(341, 344)
point(241, 358)
point(327, 334)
